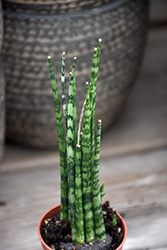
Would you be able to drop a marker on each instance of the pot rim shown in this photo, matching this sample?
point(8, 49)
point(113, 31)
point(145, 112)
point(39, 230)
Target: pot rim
point(58, 206)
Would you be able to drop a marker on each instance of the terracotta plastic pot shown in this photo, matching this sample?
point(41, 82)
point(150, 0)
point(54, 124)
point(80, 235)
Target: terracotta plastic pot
point(50, 213)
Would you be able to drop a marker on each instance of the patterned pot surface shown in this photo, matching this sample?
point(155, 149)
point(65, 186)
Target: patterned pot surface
point(29, 39)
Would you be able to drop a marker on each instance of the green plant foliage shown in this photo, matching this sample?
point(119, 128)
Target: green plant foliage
point(86, 171)
point(79, 156)
point(102, 191)
point(62, 146)
point(80, 236)
point(63, 90)
point(114, 220)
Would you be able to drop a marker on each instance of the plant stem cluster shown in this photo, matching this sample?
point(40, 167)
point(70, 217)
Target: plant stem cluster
point(79, 156)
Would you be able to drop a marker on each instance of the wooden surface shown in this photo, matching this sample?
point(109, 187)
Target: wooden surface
point(135, 184)
point(133, 166)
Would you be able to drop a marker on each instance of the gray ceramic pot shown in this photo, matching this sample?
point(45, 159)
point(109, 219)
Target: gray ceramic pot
point(29, 37)
point(2, 91)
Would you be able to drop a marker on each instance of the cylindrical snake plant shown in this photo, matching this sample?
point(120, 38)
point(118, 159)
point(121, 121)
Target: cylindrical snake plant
point(79, 156)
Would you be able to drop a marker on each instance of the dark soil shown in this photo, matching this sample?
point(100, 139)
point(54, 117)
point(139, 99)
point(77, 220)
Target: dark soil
point(59, 231)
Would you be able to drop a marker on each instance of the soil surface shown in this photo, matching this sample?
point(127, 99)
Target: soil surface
point(57, 233)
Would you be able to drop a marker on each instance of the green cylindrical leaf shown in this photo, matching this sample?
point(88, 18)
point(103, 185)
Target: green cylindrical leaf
point(93, 84)
point(63, 90)
point(86, 172)
point(97, 209)
point(78, 195)
point(71, 161)
point(72, 78)
point(71, 148)
point(80, 122)
point(62, 146)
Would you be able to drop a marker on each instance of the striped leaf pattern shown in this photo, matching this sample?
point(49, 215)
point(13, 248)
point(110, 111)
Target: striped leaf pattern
point(86, 172)
point(71, 159)
point(93, 84)
point(78, 194)
point(62, 146)
point(97, 209)
point(63, 90)
point(94, 74)
point(74, 104)
point(80, 191)
point(80, 122)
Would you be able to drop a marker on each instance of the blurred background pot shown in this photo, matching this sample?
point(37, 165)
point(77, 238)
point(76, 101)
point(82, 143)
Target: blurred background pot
point(2, 91)
point(35, 29)
point(2, 110)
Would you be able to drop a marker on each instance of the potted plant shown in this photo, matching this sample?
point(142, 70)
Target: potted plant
point(80, 219)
